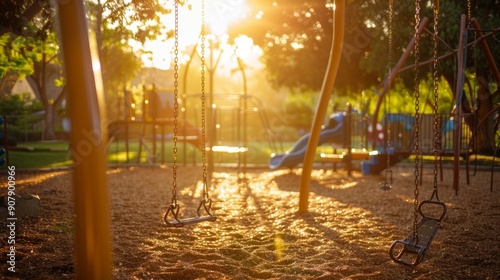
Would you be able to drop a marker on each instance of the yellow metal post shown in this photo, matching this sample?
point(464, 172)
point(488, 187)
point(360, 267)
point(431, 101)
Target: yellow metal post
point(326, 90)
point(88, 149)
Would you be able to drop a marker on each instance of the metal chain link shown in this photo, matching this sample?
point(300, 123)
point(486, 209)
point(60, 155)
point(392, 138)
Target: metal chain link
point(436, 95)
point(389, 84)
point(176, 104)
point(417, 118)
point(203, 104)
point(468, 10)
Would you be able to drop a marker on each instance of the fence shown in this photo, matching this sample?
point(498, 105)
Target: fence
point(400, 128)
point(25, 128)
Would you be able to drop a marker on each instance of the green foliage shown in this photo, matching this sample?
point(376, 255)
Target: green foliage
point(299, 108)
point(19, 104)
point(20, 110)
point(15, 56)
point(17, 16)
point(138, 20)
point(365, 61)
point(294, 35)
point(116, 23)
point(23, 25)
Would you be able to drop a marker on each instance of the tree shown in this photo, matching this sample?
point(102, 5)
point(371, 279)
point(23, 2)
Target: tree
point(115, 23)
point(16, 33)
point(296, 38)
point(46, 77)
point(16, 14)
point(29, 45)
point(24, 107)
point(27, 27)
point(293, 36)
point(13, 56)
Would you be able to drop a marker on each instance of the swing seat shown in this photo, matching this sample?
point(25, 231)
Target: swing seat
point(188, 221)
point(173, 211)
point(411, 250)
point(385, 186)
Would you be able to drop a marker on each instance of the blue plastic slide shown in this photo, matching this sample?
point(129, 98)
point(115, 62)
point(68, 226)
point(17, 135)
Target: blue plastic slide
point(296, 154)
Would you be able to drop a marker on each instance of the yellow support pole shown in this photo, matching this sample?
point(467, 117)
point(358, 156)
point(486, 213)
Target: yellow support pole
point(326, 90)
point(88, 149)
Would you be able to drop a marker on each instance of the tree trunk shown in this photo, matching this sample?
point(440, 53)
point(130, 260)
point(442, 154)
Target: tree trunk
point(37, 83)
point(49, 133)
point(484, 132)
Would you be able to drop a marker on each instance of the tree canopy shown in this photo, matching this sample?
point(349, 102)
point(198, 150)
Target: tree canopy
point(22, 24)
point(28, 43)
point(296, 37)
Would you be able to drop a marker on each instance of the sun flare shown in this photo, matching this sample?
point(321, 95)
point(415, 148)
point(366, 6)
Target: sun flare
point(221, 13)
point(218, 16)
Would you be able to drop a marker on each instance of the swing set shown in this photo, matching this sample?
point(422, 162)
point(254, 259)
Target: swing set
point(464, 123)
point(412, 249)
point(171, 217)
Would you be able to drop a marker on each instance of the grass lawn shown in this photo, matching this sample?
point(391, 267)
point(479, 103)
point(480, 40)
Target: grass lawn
point(55, 154)
point(38, 159)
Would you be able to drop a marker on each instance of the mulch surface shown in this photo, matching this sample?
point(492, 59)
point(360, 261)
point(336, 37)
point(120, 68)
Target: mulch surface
point(259, 233)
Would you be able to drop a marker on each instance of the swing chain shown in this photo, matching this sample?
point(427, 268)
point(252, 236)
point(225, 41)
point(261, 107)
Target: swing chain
point(386, 185)
point(389, 84)
point(206, 198)
point(206, 203)
point(436, 95)
point(176, 107)
point(417, 118)
point(468, 10)
point(424, 231)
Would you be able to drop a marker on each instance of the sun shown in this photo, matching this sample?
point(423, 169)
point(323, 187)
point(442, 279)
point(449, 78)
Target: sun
point(219, 15)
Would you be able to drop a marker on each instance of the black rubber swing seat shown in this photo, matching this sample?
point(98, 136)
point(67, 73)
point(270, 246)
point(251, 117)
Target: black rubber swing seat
point(411, 250)
point(174, 221)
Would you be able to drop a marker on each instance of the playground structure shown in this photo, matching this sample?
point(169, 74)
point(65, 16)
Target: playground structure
point(353, 137)
point(345, 131)
point(148, 124)
point(462, 142)
point(457, 129)
point(93, 249)
point(227, 116)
